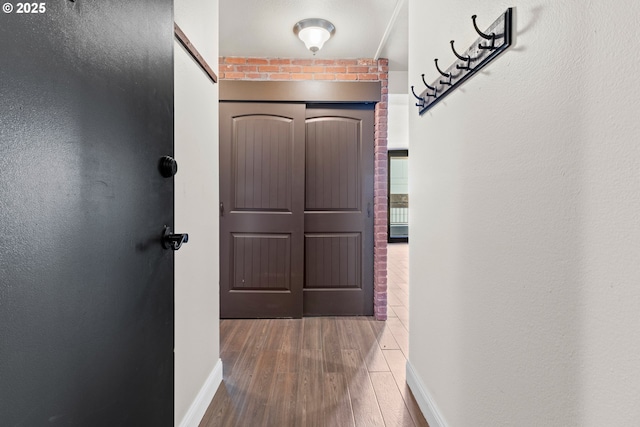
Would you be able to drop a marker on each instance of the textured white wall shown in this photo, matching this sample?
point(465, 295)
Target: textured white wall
point(525, 214)
point(196, 205)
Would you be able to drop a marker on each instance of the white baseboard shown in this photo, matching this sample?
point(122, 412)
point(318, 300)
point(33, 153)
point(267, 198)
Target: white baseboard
point(199, 406)
point(424, 399)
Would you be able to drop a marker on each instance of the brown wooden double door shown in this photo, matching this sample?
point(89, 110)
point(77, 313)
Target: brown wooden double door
point(296, 223)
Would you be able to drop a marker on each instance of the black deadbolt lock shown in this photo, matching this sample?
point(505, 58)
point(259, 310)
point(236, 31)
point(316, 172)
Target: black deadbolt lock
point(168, 166)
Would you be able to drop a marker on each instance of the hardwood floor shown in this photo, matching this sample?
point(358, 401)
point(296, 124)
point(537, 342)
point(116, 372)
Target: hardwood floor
point(329, 371)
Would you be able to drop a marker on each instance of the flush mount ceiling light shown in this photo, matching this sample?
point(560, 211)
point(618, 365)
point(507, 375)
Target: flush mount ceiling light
point(314, 32)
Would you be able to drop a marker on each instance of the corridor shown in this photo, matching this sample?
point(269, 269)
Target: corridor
point(329, 371)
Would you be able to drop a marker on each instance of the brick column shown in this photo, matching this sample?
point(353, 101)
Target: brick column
point(380, 199)
point(235, 68)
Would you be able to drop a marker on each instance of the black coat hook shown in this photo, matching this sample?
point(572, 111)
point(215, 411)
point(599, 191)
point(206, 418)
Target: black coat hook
point(491, 36)
point(443, 74)
point(462, 58)
point(433, 88)
point(427, 84)
point(439, 70)
point(421, 103)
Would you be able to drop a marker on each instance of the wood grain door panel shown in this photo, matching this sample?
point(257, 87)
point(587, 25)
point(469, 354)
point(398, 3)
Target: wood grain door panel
point(262, 161)
point(332, 164)
point(261, 262)
point(338, 218)
point(333, 260)
point(262, 221)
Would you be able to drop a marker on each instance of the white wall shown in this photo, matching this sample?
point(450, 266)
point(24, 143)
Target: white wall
point(398, 120)
point(398, 110)
point(525, 215)
point(398, 82)
point(198, 369)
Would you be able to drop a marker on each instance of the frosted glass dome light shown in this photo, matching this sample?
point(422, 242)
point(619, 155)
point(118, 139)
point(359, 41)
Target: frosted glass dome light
point(314, 32)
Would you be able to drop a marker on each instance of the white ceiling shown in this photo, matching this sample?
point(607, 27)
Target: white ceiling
point(264, 28)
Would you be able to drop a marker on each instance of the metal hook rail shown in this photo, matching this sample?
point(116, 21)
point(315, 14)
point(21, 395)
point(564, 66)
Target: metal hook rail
point(469, 62)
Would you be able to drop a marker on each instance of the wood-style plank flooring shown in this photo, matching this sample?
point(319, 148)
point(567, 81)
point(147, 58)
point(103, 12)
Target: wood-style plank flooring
point(329, 371)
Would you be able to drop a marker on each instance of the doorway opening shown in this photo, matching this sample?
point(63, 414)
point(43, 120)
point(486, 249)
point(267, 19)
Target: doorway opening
point(398, 208)
point(323, 94)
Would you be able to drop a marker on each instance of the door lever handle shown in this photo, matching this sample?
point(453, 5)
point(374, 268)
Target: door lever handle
point(369, 210)
point(173, 241)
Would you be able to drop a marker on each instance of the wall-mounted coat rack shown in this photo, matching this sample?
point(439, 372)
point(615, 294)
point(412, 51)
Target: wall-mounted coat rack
point(490, 43)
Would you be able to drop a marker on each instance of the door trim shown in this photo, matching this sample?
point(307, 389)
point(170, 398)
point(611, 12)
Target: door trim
point(303, 91)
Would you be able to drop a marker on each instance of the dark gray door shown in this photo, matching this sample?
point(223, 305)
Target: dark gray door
point(338, 218)
point(86, 289)
point(262, 204)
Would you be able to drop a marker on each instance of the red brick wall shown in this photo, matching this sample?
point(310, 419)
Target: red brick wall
point(234, 68)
